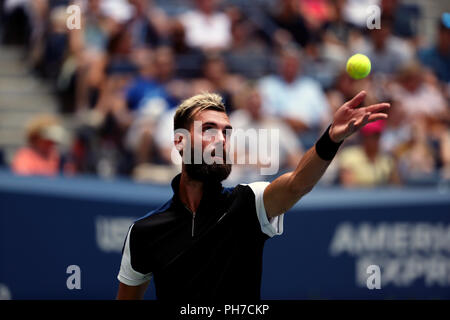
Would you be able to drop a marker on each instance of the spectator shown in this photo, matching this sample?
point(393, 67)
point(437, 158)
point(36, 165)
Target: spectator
point(337, 30)
point(365, 165)
point(418, 98)
point(290, 24)
point(437, 58)
point(18, 22)
point(120, 51)
point(147, 26)
point(88, 48)
point(148, 98)
point(55, 45)
point(216, 78)
point(97, 28)
point(249, 116)
point(188, 59)
point(385, 51)
point(206, 27)
point(155, 76)
point(248, 54)
point(444, 153)
point(299, 100)
point(319, 65)
point(415, 157)
point(438, 138)
point(316, 13)
point(41, 156)
point(398, 129)
point(403, 17)
point(338, 35)
point(355, 11)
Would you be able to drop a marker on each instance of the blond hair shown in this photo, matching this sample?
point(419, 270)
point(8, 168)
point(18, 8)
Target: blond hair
point(190, 107)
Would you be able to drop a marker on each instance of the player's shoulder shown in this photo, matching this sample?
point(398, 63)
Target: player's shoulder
point(152, 224)
point(253, 187)
point(153, 215)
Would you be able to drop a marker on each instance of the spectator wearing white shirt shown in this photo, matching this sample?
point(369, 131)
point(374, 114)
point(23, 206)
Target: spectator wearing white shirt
point(205, 27)
point(297, 99)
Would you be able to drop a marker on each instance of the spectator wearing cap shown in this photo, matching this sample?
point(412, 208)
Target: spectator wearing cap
point(41, 156)
point(365, 165)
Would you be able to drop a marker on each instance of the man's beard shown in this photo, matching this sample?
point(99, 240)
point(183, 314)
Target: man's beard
point(208, 173)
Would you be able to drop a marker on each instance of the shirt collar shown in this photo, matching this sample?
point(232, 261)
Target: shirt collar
point(211, 190)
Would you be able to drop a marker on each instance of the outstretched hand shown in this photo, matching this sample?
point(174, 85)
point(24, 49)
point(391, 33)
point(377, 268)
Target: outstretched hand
point(349, 118)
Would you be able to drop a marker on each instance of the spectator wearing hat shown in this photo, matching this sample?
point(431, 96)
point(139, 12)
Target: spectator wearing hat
point(41, 156)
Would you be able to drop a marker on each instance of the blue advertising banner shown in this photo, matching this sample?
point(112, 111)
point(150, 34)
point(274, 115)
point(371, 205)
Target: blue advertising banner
point(61, 238)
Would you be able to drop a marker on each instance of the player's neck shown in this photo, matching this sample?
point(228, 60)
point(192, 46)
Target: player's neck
point(190, 191)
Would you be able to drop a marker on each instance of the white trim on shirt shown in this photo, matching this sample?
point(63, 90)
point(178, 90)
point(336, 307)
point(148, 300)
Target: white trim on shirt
point(274, 226)
point(127, 274)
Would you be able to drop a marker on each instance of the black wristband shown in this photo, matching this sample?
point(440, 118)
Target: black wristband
point(326, 148)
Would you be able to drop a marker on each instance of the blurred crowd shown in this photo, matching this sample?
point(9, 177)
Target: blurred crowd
point(277, 64)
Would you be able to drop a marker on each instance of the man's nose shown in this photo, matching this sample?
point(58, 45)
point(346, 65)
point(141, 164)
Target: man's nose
point(221, 138)
point(218, 137)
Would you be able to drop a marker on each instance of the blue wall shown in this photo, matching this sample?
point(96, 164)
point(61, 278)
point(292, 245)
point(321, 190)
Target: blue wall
point(48, 224)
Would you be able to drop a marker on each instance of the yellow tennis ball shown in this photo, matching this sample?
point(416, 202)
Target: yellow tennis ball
point(358, 66)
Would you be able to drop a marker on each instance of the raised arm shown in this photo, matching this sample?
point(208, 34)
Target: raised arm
point(286, 190)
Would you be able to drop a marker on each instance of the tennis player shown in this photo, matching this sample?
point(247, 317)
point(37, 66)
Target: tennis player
point(206, 243)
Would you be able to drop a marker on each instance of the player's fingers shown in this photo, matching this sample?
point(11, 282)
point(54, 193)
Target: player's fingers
point(351, 125)
point(377, 107)
point(377, 116)
point(357, 100)
point(363, 120)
